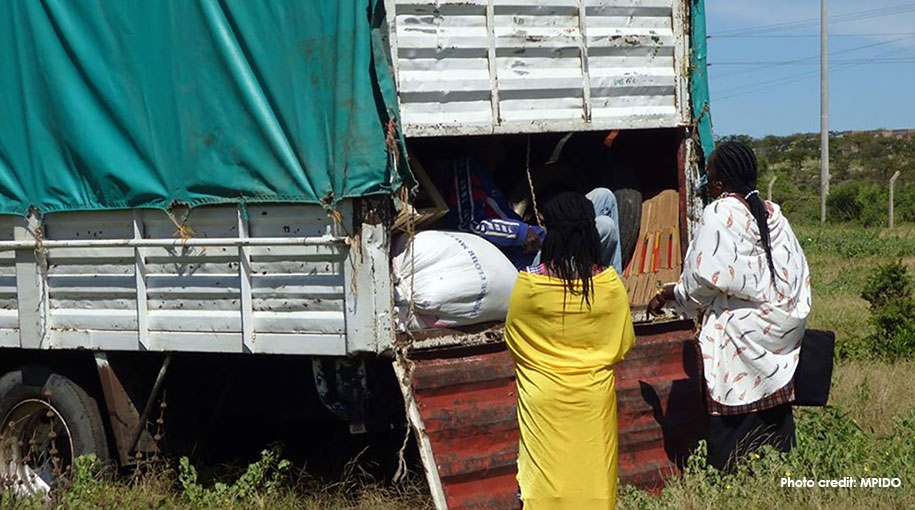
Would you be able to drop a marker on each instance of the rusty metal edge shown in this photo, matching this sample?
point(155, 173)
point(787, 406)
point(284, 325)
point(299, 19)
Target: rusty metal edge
point(479, 334)
point(425, 446)
point(493, 332)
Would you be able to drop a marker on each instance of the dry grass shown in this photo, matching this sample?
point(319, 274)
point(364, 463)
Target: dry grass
point(874, 393)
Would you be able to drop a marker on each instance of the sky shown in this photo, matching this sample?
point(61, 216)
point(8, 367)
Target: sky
point(764, 73)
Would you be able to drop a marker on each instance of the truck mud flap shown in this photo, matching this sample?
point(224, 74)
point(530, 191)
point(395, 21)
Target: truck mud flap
point(462, 406)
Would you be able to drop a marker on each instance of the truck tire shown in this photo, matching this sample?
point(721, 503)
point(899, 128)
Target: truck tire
point(48, 420)
point(629, 205)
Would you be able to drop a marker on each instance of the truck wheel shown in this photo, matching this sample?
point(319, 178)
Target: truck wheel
point(629, 205)
point(48, 421)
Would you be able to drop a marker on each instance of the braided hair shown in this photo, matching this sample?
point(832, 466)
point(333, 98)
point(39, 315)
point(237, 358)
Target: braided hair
point(572, 245)
point(736, 164)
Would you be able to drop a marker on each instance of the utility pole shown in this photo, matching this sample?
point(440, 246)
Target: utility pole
point(824, 111)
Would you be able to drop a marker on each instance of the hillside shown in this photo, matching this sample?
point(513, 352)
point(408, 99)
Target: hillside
point(861, 164)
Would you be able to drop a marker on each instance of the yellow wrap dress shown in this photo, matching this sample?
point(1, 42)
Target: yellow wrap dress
point(564, 354)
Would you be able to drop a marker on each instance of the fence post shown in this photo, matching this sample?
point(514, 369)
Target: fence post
point(771, 183)
point(892, 189)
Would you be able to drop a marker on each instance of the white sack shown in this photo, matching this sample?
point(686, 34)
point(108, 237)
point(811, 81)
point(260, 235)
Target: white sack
point(458, 279)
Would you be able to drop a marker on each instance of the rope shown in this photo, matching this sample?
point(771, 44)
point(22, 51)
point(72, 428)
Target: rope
point(183, 231)
point(530, 183)
point(401, 348)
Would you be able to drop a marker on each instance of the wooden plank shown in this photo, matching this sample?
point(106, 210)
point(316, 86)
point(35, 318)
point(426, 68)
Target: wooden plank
point(423, 215)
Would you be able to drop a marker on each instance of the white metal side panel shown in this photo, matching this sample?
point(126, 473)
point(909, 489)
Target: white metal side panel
point(91, 289)
point(369, 297)
point(9, 318)
point(91, 292)
point(521, 66)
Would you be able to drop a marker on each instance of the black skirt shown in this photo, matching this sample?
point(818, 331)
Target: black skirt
point(731, 438)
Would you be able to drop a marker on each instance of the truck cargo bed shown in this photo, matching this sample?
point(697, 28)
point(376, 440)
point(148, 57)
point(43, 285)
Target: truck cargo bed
point(278, 279)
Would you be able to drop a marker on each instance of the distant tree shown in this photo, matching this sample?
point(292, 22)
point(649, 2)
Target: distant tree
point(864, 157)
point(746, 139)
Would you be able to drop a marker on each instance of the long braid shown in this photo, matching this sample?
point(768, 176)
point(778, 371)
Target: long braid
point(736, 163)
point(572, 245)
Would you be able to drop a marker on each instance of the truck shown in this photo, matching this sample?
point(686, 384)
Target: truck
point(198, 202)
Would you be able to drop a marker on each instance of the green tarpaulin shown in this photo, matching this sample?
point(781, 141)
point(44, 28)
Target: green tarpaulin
point(137, 103)
point(699, 78)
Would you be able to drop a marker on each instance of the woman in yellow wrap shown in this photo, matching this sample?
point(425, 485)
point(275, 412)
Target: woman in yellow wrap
point(568, 324)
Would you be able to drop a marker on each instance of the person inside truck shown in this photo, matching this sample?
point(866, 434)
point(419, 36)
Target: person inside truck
point(746, 273)
point(568, 324)
point(478, 206)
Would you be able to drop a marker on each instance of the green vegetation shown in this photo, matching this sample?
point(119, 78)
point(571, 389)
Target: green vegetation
point(832, 445)
point(863, 292)
point(269, 483)
point(892, 307)
point(861, 164)
point(843, 258)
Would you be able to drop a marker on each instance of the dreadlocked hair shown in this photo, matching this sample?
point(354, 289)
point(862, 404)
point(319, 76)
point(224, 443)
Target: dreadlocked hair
point(736, 164)
point(572, 245)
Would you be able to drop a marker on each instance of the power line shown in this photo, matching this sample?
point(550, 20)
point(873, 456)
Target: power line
point(798, 77)
point(854, 16)
point(790, 36)
point(815, 58)
point(844, 18)
point(757, 87)
point(900, 60)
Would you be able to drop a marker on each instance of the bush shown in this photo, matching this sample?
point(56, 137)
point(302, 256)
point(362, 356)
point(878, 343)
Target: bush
point(905, 203)
point(891, 294)
point(265, 477)
point(862, 203)
point(799, 205)
point(842, 203)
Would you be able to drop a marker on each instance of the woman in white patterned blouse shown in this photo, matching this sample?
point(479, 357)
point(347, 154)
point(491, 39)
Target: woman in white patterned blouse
point(746, 275)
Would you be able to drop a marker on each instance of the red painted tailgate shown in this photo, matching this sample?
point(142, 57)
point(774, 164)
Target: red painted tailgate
point(466, 400)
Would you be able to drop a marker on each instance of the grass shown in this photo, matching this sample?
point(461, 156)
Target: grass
point(266, 484)
point(841, 257)
point(869, 428)
point(873, 393)
point(868, 431)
